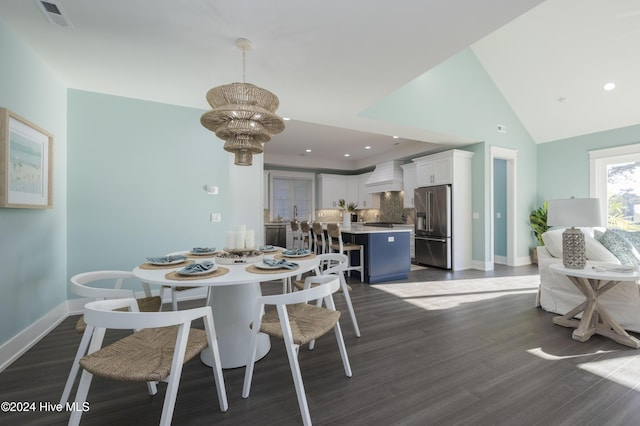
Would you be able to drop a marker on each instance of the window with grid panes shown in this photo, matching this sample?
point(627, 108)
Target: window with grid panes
point(290, 193)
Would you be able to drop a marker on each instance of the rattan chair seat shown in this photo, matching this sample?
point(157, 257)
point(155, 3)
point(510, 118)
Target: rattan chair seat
point(143, 356)
point(145, 304)
point(346, 247)
point(308, 322)
point(300, 286)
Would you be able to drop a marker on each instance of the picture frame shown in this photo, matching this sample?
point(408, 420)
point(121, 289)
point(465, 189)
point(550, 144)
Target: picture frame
point(26, 163)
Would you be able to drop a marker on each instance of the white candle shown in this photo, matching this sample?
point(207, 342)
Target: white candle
point(238, 240)
point(250, 239)
point(229, 240)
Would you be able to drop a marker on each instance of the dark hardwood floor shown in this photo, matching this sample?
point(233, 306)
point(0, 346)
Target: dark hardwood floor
point(423, 359)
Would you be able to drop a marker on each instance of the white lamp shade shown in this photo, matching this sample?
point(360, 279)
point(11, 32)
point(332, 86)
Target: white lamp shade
point(574, 212)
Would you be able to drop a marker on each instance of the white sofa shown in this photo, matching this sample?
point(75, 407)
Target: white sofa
point(557, 294)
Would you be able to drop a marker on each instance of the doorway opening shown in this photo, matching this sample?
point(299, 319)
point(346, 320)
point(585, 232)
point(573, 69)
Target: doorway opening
point(503, 166)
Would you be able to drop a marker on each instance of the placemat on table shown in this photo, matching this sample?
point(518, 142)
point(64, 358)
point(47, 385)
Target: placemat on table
point(201, 255)
point(218, 272)
point(148, 265)
point(254, 269)
point(294, 258)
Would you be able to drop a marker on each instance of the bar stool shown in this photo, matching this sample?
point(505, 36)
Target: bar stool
point(297, 236)
point(341, 247)
point(306, 234)
point(319, 242)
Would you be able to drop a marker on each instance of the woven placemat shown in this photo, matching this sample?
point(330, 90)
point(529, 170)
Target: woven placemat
point(201, 255)
point(175, 265)
point(294, 258)
point(174, 275)
point(256, 270)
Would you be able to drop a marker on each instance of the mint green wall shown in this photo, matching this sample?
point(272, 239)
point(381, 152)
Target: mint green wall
point(459, 98)
point(563, 165)
point(136, 175)
point(32, 241)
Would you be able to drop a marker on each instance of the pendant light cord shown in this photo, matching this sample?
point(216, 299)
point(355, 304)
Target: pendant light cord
point(244, 54)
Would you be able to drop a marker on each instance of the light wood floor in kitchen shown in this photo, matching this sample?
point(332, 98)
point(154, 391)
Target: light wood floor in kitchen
point(441, 348)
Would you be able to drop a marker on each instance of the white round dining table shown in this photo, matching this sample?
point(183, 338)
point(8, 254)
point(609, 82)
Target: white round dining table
point(233, 298)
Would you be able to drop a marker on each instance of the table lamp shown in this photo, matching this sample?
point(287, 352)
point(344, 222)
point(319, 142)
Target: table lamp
point(570, 213)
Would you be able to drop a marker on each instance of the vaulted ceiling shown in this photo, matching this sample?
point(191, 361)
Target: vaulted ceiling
point(328, 61)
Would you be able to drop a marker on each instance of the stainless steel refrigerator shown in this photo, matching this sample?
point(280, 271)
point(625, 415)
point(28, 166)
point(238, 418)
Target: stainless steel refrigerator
point(433, 226)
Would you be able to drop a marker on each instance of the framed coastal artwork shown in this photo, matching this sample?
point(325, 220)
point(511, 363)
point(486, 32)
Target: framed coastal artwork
point(26, 163)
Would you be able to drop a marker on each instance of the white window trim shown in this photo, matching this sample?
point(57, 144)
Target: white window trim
point(599, 159)
point(290, 174)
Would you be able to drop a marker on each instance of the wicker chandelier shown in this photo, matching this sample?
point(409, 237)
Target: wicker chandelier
point(243, 115)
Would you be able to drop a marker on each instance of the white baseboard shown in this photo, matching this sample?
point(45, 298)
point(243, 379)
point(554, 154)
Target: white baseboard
point(27, 338)
point(523, 260)
point(23, 341)
point(500, 260)
point(482, 265)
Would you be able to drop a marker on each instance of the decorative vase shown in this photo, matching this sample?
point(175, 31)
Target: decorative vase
point(346, 219)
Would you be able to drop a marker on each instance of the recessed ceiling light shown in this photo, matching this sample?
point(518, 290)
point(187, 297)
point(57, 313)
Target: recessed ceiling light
point(347, 155)
point(367, 147)
point(286, 118)
point(609, 86)
point(307, 150)
point(396, 137)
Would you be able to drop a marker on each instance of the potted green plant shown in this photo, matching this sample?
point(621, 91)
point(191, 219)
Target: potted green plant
point(348, 209)
point(351, 208)
point(538, 221)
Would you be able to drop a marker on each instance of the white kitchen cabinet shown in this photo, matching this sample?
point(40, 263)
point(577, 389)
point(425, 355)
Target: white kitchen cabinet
point(408, 184)
point(365, 200)
point(331, 188)
point(352, 189)
point(432, 171)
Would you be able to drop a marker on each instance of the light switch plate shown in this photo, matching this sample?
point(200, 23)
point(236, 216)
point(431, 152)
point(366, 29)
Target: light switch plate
point(216, 217)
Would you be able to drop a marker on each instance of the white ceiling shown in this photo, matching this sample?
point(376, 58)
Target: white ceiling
point(551, 64)
point(328, 61)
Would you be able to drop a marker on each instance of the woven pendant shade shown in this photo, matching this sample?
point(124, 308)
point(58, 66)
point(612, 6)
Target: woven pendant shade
point(243, 147)
point(242, 94)
point(243, 115)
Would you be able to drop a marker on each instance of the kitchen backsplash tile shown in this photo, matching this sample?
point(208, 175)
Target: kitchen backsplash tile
point(391, 210)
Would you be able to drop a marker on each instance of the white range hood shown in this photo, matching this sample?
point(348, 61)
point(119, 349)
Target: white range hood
point(386, 177)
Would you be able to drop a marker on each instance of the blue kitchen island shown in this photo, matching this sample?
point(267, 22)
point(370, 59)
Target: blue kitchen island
point(387, 255)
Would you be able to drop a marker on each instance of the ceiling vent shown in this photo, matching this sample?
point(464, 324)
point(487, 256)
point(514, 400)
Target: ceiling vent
point(54, 12)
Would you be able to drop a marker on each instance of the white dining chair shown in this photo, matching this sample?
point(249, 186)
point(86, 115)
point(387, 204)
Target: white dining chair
point(86, 285)
point(336, 265)
point(297, 322)
point(174, 290)
point(141, 356)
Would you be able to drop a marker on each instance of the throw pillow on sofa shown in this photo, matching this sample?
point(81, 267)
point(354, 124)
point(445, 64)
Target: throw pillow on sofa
point(595, 250)
point(619, 242)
